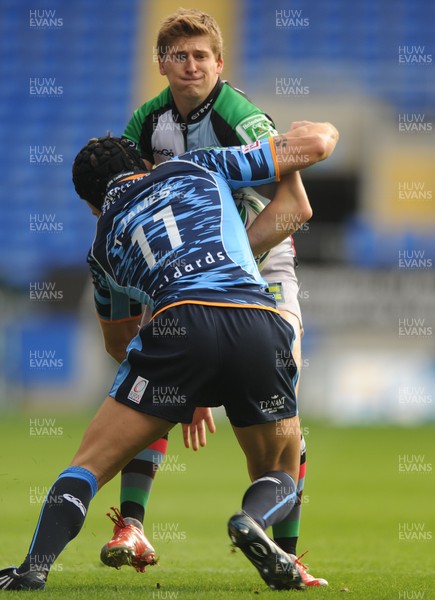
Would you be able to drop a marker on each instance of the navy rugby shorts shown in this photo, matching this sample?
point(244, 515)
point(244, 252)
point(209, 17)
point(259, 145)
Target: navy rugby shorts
point(200, 355)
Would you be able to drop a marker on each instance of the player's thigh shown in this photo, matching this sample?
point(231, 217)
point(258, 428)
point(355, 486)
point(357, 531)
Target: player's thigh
point(114, 436)
point(273, 446)
point(258, 370)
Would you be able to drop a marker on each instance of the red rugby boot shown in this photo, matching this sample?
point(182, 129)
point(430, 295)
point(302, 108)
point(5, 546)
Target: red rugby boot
point(128, 546)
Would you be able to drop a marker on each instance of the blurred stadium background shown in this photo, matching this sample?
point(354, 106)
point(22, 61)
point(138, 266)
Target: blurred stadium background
point(73, 70)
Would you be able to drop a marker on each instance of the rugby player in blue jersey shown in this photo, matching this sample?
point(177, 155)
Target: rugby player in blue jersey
point(198, 109)
point(170, 239)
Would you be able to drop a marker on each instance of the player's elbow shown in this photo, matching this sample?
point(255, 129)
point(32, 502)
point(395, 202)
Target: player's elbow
point(303, 216)
point(307, 213)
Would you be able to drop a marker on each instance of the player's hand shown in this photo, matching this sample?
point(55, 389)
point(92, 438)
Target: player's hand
point(321, 138)
point(195, 431)
point(297, 124)
point(303, 128)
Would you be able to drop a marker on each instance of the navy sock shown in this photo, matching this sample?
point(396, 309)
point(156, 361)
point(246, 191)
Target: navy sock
point(270, 498)
point(61, 518)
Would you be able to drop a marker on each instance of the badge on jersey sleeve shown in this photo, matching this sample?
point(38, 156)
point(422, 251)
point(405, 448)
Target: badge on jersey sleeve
point(255, 127)
point(248, 147)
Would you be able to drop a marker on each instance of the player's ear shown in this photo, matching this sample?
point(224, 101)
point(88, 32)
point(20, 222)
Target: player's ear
point(220, 65)
point(161, 66)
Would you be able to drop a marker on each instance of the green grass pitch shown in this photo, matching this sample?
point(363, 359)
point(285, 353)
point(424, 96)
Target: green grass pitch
point(367, 524)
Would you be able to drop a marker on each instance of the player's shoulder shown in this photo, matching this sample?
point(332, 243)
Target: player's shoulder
point(248, 120)
point(230, 91)
point(145, 116)
point(232, 102)
point(161, 101)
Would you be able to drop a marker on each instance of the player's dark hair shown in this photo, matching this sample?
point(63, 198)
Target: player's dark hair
point(100, 161)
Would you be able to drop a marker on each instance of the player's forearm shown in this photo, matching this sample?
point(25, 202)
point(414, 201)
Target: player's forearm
point(304, 145)
point(118, 335)
point(267, 190)
point(285, 214)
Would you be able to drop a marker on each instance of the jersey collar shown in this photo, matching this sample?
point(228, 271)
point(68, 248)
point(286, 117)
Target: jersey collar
point(198, 113)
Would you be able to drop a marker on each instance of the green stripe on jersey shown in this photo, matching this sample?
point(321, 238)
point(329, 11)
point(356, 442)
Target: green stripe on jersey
point(134, 127)
point(246, 119)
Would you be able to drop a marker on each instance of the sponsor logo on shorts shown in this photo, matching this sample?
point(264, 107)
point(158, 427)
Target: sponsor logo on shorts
point(273, 405)
point(138, 389)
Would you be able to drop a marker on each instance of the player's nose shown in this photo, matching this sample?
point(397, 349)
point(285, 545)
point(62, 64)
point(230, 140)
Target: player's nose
point(190, 64)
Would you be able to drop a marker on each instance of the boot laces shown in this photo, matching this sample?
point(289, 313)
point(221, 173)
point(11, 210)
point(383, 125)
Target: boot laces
point(117, 518)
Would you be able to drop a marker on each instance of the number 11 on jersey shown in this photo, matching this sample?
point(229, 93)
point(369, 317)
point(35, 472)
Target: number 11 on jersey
point(138, 237)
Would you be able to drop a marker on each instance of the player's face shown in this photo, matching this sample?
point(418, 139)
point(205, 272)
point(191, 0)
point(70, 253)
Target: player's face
point(191, 68)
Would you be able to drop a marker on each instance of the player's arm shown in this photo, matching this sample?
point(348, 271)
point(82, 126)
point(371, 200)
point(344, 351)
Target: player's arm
point(256, 126)
point(286, 213)
point(117, 336)
point(290, 207)
point(119, 316)
point(264, 162)
point(304, 145)
point(148, 164)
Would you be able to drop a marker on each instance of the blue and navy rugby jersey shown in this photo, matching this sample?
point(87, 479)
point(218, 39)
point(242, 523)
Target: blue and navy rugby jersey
point(173, 236)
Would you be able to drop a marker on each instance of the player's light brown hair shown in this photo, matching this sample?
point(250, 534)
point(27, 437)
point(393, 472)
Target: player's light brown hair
point(189, 22)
